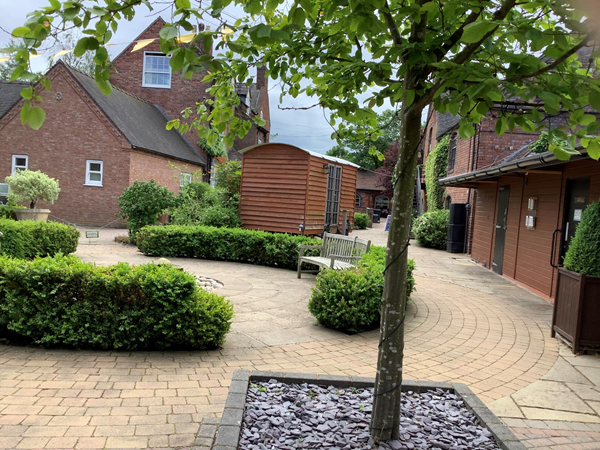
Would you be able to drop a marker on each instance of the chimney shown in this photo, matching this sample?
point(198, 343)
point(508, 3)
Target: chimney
point(261, 78)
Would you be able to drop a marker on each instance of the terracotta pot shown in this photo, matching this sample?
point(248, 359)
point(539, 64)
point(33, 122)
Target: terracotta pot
point(38, 215)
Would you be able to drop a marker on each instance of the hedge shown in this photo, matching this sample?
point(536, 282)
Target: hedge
point(8, 211)
point(583, 255)
point(27, 239)
point(62, 301)
point(361, 221)
point(350, 300)
point(223, 244)
point(436, 167)
point(431, 229)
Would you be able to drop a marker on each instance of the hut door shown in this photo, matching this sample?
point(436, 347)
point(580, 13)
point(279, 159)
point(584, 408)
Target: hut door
point(503, 197)
point(576, 200)
point(332, 206)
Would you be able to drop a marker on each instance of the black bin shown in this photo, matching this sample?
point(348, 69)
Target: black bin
point(376, 215)
point(455, 242)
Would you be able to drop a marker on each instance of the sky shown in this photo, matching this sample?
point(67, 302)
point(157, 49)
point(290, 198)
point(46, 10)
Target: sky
point(307, 129)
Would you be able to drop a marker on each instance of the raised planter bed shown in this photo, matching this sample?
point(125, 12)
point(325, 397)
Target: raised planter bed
point(458, 396)
point(575, 318)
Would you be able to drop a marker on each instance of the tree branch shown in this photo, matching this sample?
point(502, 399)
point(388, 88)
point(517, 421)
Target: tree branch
point(553, 64)
point(391, 24)
point(453, 40)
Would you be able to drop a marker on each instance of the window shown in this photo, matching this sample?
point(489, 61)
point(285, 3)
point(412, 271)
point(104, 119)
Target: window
point(93, 173)
point(357, 201)
point(452, 153)
point(185, 179)
point(19, 162)
point(430, 140)
point(4, 191)
point(382, 202)
point(448, 202)
point(334, 182)
point(157, 71)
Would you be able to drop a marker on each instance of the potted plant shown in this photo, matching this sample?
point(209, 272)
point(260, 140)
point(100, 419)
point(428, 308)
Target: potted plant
point(577, 302)
point(31, 187)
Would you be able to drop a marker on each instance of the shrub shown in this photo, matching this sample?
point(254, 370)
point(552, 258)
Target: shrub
point(361, 221)
point(583, 255)
point(224, 244)
point(195, 202)
point(8, 211)
point(220, 216)
point(63, 301)
point(436, 167)
point(431, 229)
point(28, 239)
point(143, 203)
point(31, 187)
point(229, 181)
point(350, 300)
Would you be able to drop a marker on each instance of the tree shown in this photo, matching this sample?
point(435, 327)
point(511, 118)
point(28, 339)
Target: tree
point(461, 56)
point(7, 67)
point(386, 171)
point(366, 153)
point(32, 187)
point(64, 43)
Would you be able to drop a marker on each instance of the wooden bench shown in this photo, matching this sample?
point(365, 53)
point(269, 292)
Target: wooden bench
point(337, 252)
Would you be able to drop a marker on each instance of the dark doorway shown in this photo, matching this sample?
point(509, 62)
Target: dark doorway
point(576, 200)
point(503, 196)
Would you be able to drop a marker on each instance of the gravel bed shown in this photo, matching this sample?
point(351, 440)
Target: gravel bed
point(208, 284)
point(307, 416)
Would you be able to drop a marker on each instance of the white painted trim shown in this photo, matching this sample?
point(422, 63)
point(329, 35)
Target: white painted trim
point(14, 161)
point(159, 86)
point(89, 182)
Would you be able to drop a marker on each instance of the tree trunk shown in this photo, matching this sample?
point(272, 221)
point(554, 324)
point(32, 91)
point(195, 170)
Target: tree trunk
point(385, 420)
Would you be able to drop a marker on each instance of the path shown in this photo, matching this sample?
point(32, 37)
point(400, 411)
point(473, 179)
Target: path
point(465, 324)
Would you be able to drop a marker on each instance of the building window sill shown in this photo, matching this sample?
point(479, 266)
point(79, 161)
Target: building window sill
point(93, 185)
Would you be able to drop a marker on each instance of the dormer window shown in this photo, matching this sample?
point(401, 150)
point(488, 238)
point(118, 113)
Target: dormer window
point(157, 71)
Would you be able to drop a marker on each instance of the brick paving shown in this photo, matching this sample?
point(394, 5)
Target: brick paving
point(463, 325)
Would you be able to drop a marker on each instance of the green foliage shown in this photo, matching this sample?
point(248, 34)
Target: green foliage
point(216, 150)
point(361, 221)
point(431, 228)
point(27, 239)
point(583, 255)
point(350, 300)
point(8, 211)
point(68, 41)
point(543, 142)
point(201, 204)
point(224, 244)
point(31, 187)
point(229, 181)
point(369, 153)
point(62, 301)
point(143, 203)
point(436, 167)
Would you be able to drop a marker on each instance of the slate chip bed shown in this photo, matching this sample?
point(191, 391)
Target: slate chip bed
point(306, 416)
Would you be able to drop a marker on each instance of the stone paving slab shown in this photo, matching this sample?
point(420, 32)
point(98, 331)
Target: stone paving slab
point(475, 328)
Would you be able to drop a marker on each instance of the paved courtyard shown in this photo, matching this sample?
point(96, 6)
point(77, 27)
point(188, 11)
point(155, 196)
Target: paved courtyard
point(464, 324)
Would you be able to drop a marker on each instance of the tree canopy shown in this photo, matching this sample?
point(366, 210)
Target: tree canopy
point(366, 153)
point(461, 56)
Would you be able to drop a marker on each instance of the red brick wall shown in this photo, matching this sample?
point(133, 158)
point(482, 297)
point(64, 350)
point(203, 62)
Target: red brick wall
point(146, 166)
point(129, 68)
point(75, 130)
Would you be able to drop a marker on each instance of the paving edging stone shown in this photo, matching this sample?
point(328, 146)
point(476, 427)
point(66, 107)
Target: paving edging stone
point(228, 434)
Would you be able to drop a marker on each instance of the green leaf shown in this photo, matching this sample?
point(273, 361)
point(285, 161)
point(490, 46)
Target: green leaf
point(55, 4)
point(410, 98)
point(25, 112)
point(595, 99)
point(474, 32)
point(264, 31)
point(21, 31)
point(501, 126)
point(177, 60)
point(183, 3)
point(466, 130)
point(593, 149)
point(587, 119)
point(26, 93)
point(551, 100)
point(168, 33)
point(299, 17)
point(104, 86)
point(36, 117)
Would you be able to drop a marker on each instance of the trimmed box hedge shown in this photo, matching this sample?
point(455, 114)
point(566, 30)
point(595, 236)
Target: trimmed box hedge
point(27, 239)
point(62, 301)
point(350, 300)
point(223, 244)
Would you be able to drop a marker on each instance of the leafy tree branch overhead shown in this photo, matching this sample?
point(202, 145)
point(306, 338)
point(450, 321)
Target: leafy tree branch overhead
point(461, 56)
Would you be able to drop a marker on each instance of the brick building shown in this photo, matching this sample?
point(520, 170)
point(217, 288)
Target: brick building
point(370, 193)
point(96, 146)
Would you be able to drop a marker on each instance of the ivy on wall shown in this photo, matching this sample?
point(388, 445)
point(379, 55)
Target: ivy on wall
point(436, 167)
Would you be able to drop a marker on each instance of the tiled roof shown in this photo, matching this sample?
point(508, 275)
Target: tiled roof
point(368, 180)
point(10, 93)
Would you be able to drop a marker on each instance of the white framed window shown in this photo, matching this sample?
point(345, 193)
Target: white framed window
point(157, 70)
point(93, 172)
point(185, 179)
point(4, 191)
point(358, 201)
point(332, 205)
point(19, 162)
